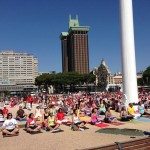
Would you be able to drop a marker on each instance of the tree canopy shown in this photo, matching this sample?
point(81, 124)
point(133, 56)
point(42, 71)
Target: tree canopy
point(63, 79)
point(146, 76)
point(145, 80)
point(102, 77)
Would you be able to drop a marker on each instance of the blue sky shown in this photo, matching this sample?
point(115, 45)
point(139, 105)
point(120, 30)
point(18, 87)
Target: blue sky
point(34, 26)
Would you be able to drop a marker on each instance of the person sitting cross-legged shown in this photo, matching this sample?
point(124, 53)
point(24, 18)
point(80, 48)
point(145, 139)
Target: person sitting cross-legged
point(45, 117)
point(132, 112)
point(21, 116)
point(102, 107)
point(109, 118)
point(141, 108)
point(52, 124)
point(83, 117)
point(124, 115)
point(88, 110)
point(10, 126)
point(31, 125)
point(94, 117)
point(61, 119)
point(38, 115)
point(77, 124)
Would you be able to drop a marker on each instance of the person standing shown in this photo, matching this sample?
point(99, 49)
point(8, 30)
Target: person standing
point(30, 101)
point(5, 111)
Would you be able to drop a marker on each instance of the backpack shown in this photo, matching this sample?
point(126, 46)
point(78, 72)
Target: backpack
point(74, 127)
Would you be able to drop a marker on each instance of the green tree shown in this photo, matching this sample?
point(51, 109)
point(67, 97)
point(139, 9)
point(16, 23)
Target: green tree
point(146, 76)
point(45, 80)
point(61, 80)
point(6, 93)
point(140, 82)
point(102, 77)
point(89, 78)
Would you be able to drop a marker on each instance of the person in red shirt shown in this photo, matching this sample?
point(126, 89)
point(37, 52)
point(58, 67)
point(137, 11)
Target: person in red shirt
point(60, 114)
point(5, 111)
point(30, 100)
point(61, 117)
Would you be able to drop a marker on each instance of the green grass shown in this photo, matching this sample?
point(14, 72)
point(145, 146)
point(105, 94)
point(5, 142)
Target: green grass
point(129, 132)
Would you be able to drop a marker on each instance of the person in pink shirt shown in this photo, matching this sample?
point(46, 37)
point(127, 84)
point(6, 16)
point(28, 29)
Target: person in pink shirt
point(31, 125)
point(12, 103)
point(94, 116)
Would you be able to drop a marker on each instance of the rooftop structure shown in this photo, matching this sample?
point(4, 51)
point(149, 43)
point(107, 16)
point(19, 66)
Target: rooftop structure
point(75, 52)
point(17, 68)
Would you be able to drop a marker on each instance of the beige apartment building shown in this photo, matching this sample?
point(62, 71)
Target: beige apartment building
point(17, 68)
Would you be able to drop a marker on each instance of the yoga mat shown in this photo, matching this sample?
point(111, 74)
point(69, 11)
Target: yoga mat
point(57, 131)
point(10, 135)
point(133, 121)
point(128, 132)
point(147, 116)
point(33, 132)
point(102, 125)
point(143, 119)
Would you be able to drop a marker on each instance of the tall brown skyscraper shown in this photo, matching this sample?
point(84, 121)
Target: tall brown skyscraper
point(74, 43)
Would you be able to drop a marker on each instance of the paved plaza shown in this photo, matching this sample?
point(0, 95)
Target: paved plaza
point(68, 140)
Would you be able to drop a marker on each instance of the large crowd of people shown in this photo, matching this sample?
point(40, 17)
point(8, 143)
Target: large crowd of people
point(73, 109)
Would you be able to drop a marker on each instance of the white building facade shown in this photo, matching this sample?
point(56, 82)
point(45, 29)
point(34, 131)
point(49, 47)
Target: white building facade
point(18, 68)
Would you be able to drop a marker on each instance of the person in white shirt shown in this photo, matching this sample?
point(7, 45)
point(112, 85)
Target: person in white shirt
point(1, 118)
point(77, 123)
point(10, 126)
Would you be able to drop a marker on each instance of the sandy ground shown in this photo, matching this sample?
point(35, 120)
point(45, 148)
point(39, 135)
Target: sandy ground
point(67, 140)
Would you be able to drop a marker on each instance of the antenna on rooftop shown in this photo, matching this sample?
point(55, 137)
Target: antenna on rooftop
point(70, 17)
point(76, 17)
